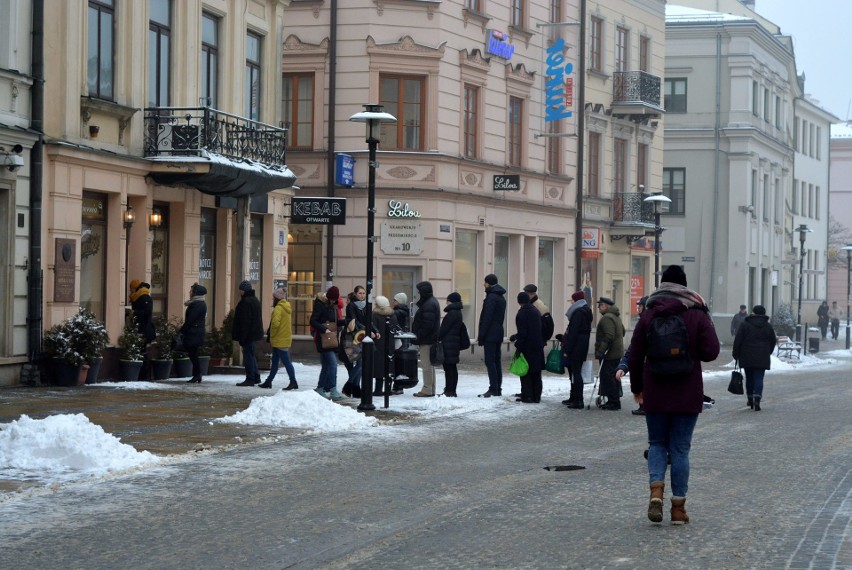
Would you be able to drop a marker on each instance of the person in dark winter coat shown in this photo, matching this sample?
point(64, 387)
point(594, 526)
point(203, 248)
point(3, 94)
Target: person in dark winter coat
point(490, 335)
point(382, 311)
point(356, 319)
point(609, 348)
point(247, 330)
point(753, 346)
point(425, 326)
point(401, 310)
point(822, 319)
point(671, 405)
point(738, 319)
point(528, 342)
point(449, 336)
point(193, 327)
point(324, 313)
point(575, 346)
point(143, 316)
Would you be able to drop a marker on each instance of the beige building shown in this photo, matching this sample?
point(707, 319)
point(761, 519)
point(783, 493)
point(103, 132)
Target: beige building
point(162, 158)
point(478, 175)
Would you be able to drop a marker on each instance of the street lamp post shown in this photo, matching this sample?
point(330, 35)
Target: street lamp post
point(848, 250)
point(803, 231)
point(373, 115)
point(658, 200)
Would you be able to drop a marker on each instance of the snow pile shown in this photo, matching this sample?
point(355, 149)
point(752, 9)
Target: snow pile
point(300, 409)
point(66, 443)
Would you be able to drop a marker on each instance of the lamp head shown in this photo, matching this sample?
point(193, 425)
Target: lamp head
point(658, 200)
point(129, 216)
point(373, 115)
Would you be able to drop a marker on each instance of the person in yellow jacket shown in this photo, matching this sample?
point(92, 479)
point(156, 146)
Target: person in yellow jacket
point(281, 338)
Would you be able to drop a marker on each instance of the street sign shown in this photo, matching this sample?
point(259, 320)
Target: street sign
point(344, 174)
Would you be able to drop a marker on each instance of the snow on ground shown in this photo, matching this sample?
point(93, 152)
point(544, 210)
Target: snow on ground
point(67, 447)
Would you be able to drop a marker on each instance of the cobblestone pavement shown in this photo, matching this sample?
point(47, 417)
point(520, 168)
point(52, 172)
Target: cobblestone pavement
point(769, 489)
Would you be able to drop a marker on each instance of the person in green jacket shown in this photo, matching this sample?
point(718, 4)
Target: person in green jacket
point(281, 339)
point(609, 348)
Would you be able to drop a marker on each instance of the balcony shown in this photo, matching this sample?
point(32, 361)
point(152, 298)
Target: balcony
point(636, 94)
point(631, 217)
point(216, 152)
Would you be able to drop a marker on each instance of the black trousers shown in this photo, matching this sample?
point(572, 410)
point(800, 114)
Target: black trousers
point(609, 386)
point(193, 357)
point(451, 377)
point(531, 386)
point(575, 373)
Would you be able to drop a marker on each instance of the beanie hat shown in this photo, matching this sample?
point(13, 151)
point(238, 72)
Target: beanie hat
point(454, 297)
point(523, 298)
point(491, 279)
point(246, 286)
point(674, 274)
point(333, 293)
point(382, 301)
point(578, 296)
point(642, 301)
point(279, 293)
point(198, 289)
point(401, 298)
point(759, 310)
point(135, 284)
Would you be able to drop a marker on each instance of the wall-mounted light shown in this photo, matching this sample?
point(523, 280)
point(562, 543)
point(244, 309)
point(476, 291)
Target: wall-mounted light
point(129, 216)
point(156, 219)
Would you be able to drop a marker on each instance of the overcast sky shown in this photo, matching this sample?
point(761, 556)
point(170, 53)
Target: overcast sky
point(822, 39)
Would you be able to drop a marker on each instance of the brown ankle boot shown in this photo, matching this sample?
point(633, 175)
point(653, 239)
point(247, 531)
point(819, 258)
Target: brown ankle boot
point(679, 515)
point(655, 504)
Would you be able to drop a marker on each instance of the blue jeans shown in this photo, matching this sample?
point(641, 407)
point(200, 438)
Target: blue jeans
point(283, 355)
point(754, 382)
point(355, 375)
point(670, 435)
point(328, 372)
point(494, 366)
point(250, 361)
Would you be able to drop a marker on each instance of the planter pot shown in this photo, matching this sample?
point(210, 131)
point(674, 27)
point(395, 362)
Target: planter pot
point(220, 361)
point(94, 370)
point(130, 369)
point(183, 368)
point(203, 365)
point(84, 373)
point(65, 374)
point(161, 369)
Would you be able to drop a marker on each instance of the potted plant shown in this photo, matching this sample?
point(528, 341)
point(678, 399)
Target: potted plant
point(204, 356)
point(161, 366)
point(60, 345)
point(131, 347)
point(93, 338)
point(218, 343)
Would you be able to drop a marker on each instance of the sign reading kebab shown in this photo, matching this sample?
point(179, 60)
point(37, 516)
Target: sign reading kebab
point(318, 211)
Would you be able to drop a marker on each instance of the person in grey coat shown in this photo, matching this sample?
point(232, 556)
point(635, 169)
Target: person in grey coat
point(753, 346)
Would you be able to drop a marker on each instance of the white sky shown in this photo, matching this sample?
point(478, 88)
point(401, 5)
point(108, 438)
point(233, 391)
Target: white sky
point(68, 448)
point(821, 40)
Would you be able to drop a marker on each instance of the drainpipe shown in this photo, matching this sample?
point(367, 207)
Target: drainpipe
point(581, 144)
point(35, 290)
point(332, 104)
point(716, 158)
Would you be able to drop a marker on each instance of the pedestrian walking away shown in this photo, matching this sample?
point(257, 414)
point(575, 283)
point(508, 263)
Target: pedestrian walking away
point(609, 348)
point(575, 346)
point(193, 328)
point(491, 333)
point(425, 326)
point(822, 319)
point(450, 337)
point(248, 330)
point(528, 342)
point(753, 346)
point(324, 318)
point(281, 339)
point(835, 313)
point(671, 340)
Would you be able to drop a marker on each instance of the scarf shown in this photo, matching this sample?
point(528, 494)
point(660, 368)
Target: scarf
point(139, 292)
point(685, 295)
point(574, 306)
point(195, 299)
point(361, 305)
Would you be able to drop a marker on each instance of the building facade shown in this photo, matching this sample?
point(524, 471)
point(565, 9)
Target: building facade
point(840, 200)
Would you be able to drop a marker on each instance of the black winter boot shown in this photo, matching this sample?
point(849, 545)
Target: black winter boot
point(757, 403)
point(750, 402)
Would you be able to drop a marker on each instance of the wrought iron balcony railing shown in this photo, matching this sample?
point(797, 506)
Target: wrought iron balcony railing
point(186, 131)
point(637, 87)
point(628, 209)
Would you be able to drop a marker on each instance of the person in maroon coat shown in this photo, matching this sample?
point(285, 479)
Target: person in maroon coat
point(671, 404)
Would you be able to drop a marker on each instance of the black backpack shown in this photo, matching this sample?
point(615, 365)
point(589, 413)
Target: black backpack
point(464, 338)
point(668, 347)
point(546, 327)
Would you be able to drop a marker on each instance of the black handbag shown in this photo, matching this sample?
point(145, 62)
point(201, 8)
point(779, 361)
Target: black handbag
point(735, 386)
point(436, 354)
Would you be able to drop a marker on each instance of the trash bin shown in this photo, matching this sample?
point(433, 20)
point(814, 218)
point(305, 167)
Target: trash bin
point(813, 344)
point(405, 373)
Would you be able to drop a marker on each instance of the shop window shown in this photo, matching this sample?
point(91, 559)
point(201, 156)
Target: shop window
point(256, 253)
point(207, 260)
point(502, 264)
point(93, 253)
point(465, 277)
point(638, 269)
point(544, 279)
point(304, 264)
point(160, 261)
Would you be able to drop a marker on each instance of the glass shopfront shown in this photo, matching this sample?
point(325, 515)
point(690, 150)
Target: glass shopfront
point(93, 254)
point(207, 260)
point(545, 271)
point(255, 252)
point(465, 277)
point(160, 259)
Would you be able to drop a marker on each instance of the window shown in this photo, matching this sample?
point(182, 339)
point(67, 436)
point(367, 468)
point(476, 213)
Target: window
point(93, 253)
point(816, 202)
point(675, 96)
point(811, 128)
point(644, 53)
point(594, 164)
point(619, 175)
point(778, 112)
point(471, 120)
point(546, 262)
point(753, 189)
point(554, 148)
point(555, 10)
point(160, 247)
point(207, 260)
point(766, 105)
point(796, 134)
point(252, 94)
point(641, 167)
point(101, 48)
point(159, 53)
point(596, 44)
point(795, 200)
point(209, 60)
point(818, 140)
point(464, 270)
point(674, 187)
point(472, 5)
point(622, 44)
point(767, 197)
point(298, 109)
point(518, 16)
point(755, 99)
point(404, 98)
point(516, 110)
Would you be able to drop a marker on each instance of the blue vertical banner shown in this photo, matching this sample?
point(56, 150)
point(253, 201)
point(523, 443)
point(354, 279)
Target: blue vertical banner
point(559, 85)
point(344, 173)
